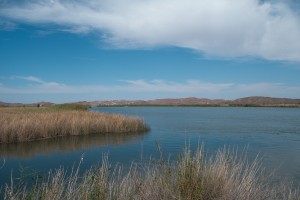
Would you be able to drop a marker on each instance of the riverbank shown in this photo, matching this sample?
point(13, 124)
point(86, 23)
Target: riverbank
point(224, 176)
point(30, 124)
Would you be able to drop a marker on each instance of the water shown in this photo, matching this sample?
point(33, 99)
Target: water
point(273, 133)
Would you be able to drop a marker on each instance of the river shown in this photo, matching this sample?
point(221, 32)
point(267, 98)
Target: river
point(271, 133)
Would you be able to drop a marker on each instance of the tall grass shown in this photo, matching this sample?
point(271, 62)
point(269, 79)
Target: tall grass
point(28, 124)
point(222, 177)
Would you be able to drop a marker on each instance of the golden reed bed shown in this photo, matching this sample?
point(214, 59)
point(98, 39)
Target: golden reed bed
point(29, 124)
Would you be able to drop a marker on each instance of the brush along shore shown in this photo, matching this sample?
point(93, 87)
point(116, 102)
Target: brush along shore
point(192, 176)
point(29, 124)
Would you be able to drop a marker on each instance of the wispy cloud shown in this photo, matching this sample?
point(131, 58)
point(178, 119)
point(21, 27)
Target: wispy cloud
point(78, 30)
point(190, 86)
point(7, 25)
point(139, 89)
point(226, 28)
point(132, 86)
point(33, 85)
point(29, 78)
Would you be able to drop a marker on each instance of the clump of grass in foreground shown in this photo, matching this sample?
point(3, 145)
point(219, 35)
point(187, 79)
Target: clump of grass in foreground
point(223, 177)
point(28, 124)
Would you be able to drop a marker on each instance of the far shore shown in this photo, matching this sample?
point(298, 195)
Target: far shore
point(253, 101)
point(204, 105)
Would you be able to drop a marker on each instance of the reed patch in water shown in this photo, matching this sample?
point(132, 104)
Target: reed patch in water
point(29, 124)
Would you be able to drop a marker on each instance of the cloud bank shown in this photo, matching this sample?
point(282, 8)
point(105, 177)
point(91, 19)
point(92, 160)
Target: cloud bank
point(141, 89)
point(222, 28)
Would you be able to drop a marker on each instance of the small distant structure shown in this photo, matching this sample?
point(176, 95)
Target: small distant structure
point(43, 104)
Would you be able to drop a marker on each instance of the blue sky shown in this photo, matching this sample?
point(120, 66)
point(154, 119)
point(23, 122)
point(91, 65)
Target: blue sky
point(66, 51)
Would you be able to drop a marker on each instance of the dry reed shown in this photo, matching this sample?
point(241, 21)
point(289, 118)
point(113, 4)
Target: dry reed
point(222, 177)
point(29, 124)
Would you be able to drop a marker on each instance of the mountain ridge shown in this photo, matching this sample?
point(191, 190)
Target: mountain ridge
point(189, 101)
point(193, 101)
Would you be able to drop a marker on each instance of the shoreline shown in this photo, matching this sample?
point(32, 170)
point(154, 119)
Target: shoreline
point(205, 105)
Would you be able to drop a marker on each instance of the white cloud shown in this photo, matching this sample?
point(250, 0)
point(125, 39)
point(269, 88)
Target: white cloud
point(226, 28)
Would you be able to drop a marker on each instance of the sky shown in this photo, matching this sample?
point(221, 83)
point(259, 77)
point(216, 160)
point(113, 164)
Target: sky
point(87, 50)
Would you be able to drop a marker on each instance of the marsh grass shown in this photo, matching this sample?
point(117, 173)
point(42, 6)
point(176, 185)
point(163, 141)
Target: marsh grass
point(29, 124)
point(192, 176)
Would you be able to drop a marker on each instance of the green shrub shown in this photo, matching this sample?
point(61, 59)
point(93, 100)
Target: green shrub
point(70, 106)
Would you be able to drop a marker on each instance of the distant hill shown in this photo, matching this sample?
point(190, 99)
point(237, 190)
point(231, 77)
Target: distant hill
point(266, 101)
point(186, 101)
point(42, 104)
point(2, 104)
point(191, 101)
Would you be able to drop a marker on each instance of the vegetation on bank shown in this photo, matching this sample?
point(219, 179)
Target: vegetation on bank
point(191, 176)
point(29, 124)
point(69, 106)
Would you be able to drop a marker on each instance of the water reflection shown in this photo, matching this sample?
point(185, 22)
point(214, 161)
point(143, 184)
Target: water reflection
point(66, 144)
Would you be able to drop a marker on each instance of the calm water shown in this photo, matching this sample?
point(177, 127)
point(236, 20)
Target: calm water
point(273, 133)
